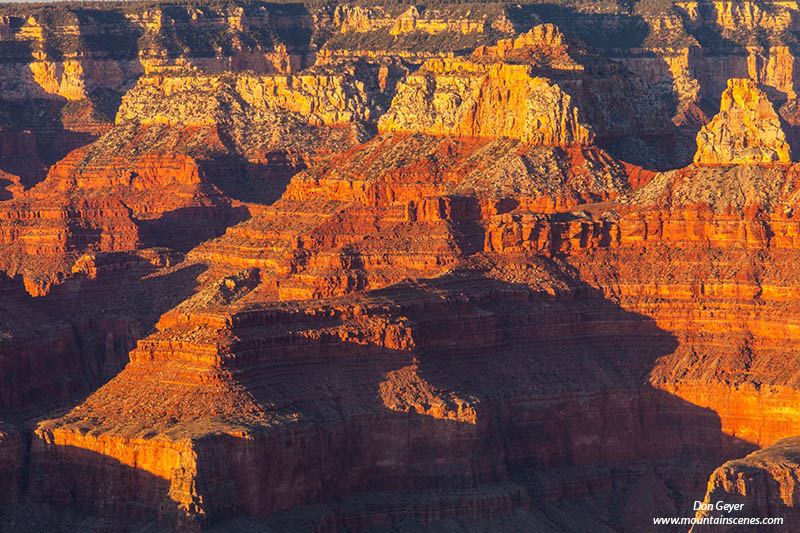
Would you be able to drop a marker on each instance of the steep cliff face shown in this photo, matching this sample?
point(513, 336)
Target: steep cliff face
point(398, 348)
point(331, 231)
point(502, 101)
point(399, 20)
point(72, 52)
point(763, 485)
point(63, 69)
point(198, 130)
point(687, 51)
point(76, 331)
point(352, 267)
point(747, 130)
point(180, 144)
point(416, 348)
point(411, 32)
point(712, 218)
point(202, 100)
point(536, 88)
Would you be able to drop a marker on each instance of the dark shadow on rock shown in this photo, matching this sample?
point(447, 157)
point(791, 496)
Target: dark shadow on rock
point(82, 331)
point(489, 392)
point(184, 228)
point(499, 381)
point(789, 115)
point(599, 30)
point(56, 124)
point(260, 182)
point(756, 486)
point(40, 120)
point(658, 154)
point(646, 142)
point(380, 80)
point(5, 194)
point(615, 35)
point(464, 216)
point(117, 37)
point(75, 489)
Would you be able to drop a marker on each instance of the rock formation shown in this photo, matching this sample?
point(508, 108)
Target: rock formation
point(529, 88)
point(179, 143)
point(502, 101)
point(196, 99)
point(745, 131)
point(319, 267)
point(761, 485)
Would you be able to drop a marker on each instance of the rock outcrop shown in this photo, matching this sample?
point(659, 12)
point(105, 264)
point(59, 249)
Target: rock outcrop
point(63, 69)
point(687, 51)
point(448, 97)
point(399, 342)
point(745, 131)
point(195, 99)
point(426, 195)
point(412, 32)
point(762, 485)
point(180, 143)
point(537, 88)
point(320, 267)
point(72, 53)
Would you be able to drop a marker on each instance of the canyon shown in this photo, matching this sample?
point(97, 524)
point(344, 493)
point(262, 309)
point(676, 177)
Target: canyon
point(395, 267)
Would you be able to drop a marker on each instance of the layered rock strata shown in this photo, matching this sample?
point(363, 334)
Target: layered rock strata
point(762, 485)
point(529, 88)
point(746, 131)
point(421, 348)
point(392, 344)
point(477, 317)
point(687, 51)
point(180, 144)
point(336, 227)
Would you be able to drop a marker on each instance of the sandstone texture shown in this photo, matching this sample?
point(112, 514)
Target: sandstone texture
point(383, 267)
point(510, 90)
point(763, 484)
point(745, 131)
point(454, 97)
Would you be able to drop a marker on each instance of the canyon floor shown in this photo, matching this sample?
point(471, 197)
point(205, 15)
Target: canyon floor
point(463, 267)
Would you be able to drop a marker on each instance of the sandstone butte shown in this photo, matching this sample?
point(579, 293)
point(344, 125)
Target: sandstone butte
point(747, 129)
point(460, 267)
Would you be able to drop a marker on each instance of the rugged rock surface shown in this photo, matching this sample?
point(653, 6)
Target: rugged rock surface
point(689, 50)
point(402, 350)
point(496, 100)
point(510, 90)
point(335, 227)
point(339, 267)
point(746, 130)
point(180, 144)
point(412, 32)
point(202, 100)
point(541, 114)
point(63, 69)
point(761, 485)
